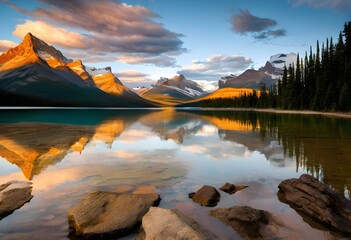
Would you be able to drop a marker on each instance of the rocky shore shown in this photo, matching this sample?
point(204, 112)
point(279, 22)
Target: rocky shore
point(13, 195)
point(111, 215)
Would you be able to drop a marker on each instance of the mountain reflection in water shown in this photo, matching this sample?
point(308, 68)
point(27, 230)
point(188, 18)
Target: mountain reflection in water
point(66, 153)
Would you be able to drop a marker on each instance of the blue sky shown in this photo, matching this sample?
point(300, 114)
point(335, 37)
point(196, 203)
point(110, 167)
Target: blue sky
point(143, 40)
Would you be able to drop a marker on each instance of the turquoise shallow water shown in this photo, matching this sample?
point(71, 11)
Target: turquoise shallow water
point(67, 153)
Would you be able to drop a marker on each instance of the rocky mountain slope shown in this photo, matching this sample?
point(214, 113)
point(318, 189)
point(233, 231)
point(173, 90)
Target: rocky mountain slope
point(266, 75)
point(254, 79)
point(276, 63)
point(36, 74)
point(174, 89)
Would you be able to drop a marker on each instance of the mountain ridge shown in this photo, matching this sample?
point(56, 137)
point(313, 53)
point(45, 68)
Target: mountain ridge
point(250, 78)
point(35, 73)
point(177, 87)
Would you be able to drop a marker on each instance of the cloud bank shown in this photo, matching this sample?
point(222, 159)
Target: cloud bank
point(259, 28)
point(340, 5)
point(132, 78)
point(216, 66)
point(5, 45)
point(128, 32)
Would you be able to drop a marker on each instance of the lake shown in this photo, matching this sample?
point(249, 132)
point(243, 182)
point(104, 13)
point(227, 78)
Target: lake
point(68, 153)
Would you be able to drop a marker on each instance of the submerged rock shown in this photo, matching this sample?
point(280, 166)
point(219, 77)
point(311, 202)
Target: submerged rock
point(160, 223)
point(101, 214)
point(206, 196)
point(14, 195)
point(146, 189)
point(250, 223)
point(231, 188)
point(316, 200)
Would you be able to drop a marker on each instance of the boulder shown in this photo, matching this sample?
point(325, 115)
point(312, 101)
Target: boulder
point(316, 200)
point(160, 223)
point(231, 188)
point(250, 223)
point(104, 214)
point(14, 195)
point(206, 196)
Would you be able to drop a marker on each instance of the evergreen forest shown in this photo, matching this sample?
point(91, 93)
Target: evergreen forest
point(319, 81)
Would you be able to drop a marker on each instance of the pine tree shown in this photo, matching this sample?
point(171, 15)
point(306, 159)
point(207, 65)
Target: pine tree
point(330, 93)
point(285, 93)
point(345, 94)
point(296, 94)
point(339, 64)
point(280, 94)
point(290, 88)
point(305, 92)
point(311, 76)
point(345, 98)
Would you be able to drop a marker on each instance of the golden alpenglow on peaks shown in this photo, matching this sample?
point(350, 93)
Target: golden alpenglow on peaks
point(16, 154)
point(78, 67)
point(37, 74)
point(232, 125)
point(80, 144)
point(34, 146)
point(109, 83)
point(109, 130)
point(21, 55)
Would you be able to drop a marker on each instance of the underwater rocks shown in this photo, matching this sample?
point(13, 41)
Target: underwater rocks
point(231, 188)
point(104, 214)
point(14, 195)
point(160, 223)
point(316, 200)
point(249, 222)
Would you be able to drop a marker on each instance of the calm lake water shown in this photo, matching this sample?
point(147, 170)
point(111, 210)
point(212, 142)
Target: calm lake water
point(68, 153)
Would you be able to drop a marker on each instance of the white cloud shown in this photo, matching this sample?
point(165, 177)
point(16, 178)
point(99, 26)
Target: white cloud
point(131, 136)
point(52, 34)
point(207, 130)
point(161, 60)
point(340, 5)
point(216, 66)
point(132, 78)
point(208, 86)
point(6, 45)
point(218, 151)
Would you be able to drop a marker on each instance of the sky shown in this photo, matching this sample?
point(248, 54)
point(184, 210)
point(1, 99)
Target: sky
point(143, 40)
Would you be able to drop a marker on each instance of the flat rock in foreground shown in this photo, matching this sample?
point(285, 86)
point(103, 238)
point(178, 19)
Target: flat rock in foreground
point(312, 198)
point(206, 196)
point(14, 195)
point(103, 214)
point(249, 222)
point(160, 223)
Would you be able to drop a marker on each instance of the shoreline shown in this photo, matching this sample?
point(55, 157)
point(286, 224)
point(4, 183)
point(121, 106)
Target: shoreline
point(266, 110)
point(278, 111)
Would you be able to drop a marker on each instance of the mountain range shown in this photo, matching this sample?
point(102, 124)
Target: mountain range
point(37, 74)
point(266, 75)
point(173, 90)
point(251, 78)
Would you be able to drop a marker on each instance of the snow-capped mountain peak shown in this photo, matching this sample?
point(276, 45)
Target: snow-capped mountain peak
point(178, 87)
point(280, 60)
point(98, 71)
